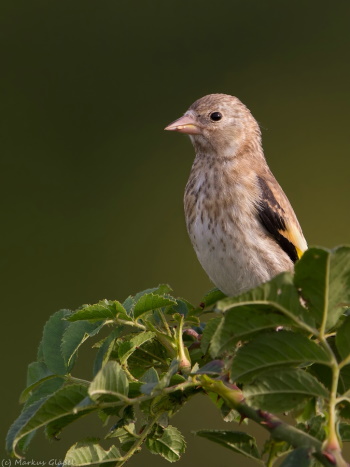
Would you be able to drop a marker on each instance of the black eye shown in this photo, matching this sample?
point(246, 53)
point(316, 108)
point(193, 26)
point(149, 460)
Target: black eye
point(215, 116)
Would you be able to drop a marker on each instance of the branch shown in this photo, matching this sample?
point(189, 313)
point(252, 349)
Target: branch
point(276, 427)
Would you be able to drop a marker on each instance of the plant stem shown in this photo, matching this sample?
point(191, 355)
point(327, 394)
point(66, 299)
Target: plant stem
point(165, 323)
point(136, 446)
point(332, 443)
point(131, 323)
point(279, 430)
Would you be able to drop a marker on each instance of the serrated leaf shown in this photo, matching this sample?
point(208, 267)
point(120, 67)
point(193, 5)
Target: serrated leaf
point(151, 301)
point(162, 289)
point(37, 371)
point(60, 404)
point(241, 323)
point(237, 441)
point(342, 338)
point(74, 336)
point(282, 390)
point(129, 346)
point(279, 293)
point(51, 342)
point(103, 310)
point(208, 333)
point(323, 276)
point(272, 350)
point(110, 380)
point(41, 388)
point(90, 452)
point(300, 457)
point(170, 445)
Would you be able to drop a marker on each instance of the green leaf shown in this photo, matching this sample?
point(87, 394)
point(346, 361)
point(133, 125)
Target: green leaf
point(208, 333)
point(270, 350)
point(162, 289)
point(237, 441)
point(103, 310)
point(150, 380)
point(110, 380)
point(242, 322)
point(279, 293)
point(53, 332)
point(213, 367)
point(170, 445)
point(41, 388)
point(129, 346)
point(128, 304)
point(323, 278)
point(344, 380)
point(54, 427)
point(156, 386)
point(63, 402)
point(105, 349)
point(212, 297)
point(151, 301)
point(90, 452)
point(40, 382)
point(74, 336)
point(126, 435)
point(282, 389)
point(342, 338)
point(184, 308)
point(344, 431)
point(37, 371)
point(300, 457)
point(315, 427)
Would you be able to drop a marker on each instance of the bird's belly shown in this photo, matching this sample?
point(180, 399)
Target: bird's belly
point(231, 256)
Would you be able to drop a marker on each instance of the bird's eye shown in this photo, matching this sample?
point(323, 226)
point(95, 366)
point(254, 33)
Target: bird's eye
point(215, 116)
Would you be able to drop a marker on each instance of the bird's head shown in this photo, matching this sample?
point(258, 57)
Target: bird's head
point(217, 124)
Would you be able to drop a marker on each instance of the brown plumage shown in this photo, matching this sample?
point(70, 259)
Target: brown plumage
point(240, 222)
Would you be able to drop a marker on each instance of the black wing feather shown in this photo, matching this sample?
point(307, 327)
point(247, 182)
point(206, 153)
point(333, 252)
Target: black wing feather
point(271, 216)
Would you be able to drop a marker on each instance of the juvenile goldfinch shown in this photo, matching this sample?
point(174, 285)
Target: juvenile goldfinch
point(240, 222)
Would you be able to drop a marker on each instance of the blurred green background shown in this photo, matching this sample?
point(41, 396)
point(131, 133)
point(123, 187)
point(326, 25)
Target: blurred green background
point(92, 185)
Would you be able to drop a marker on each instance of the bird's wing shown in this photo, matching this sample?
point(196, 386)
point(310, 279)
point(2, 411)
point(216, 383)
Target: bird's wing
point(277, 216)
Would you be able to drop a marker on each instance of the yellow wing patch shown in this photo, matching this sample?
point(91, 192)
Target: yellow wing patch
point(293, 234)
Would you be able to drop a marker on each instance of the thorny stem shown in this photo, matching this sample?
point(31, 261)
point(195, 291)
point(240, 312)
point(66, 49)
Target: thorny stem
point(278, 429)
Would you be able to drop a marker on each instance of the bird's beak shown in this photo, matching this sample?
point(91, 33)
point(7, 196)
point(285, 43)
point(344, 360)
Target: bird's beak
point(186, 124)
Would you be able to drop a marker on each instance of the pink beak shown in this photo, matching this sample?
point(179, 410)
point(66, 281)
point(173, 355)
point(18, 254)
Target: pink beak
point(186, 124)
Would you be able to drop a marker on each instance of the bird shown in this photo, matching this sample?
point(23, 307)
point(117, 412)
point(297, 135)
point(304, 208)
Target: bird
point(240, 222)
